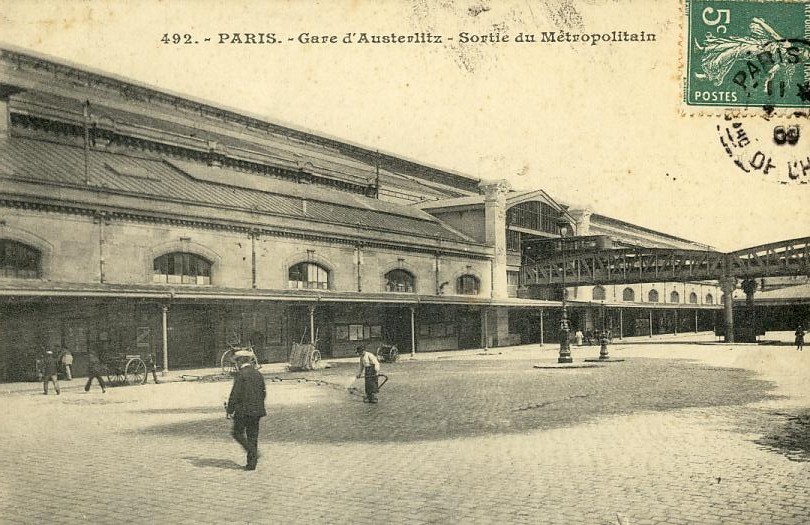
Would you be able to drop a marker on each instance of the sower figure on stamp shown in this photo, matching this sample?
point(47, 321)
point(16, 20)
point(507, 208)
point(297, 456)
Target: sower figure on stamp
point(51, 369)
point(369, 368)
point(246, 406)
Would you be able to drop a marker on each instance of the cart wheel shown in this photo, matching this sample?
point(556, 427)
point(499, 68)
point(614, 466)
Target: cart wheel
point(315, 360)
point(393, 354)
point(116, 377)
point(227, 363)
point(135, 371)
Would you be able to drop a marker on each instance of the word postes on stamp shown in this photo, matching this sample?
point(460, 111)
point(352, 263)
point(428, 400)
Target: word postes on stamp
point(748, 53)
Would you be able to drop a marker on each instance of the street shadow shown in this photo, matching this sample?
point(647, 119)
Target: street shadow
point(184, 410)
point(447, 400)
point(226, 464)
point(787, 434)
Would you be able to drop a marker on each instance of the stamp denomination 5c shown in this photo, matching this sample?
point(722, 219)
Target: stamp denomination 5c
point(748, 53)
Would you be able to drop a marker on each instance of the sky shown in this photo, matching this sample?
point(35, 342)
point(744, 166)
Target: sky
point(602, 126)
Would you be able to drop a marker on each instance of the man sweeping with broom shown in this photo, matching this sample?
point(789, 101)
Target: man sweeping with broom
point(369, 368)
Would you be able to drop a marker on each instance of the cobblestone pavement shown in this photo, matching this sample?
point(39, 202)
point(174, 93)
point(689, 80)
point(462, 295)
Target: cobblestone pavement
point(674, 434)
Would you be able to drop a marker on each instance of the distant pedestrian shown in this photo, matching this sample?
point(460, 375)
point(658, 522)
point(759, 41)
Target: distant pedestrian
point(149, 361)
point(51, 369)
point(246, 406)
point(94, 371)
point(369, 368)
point(67, 363)
point(800, 338)
point(578, 337)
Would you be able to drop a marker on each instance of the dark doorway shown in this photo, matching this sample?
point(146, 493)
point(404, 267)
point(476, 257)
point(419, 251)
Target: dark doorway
point(469, 328)
point(396, 328)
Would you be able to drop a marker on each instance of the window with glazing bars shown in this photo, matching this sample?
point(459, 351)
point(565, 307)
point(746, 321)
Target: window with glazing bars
point(181, 268)
point(18, 260)
point(307, 275)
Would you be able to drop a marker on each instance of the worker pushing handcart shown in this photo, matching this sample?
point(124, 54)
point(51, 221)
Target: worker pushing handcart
point(369, 369)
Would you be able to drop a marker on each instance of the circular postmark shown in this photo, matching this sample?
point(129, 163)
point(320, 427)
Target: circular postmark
point(773, 148)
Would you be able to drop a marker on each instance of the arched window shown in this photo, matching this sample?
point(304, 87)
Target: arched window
point(18, 260)
point(399, 281)
point(709, 298)
point(723, 299)
point(652, 296)
point(674, 297)
point(307, 275)
point(693, 298)
point(628, 294)
point(598, 293)
point(181, 268)
point(468, 285)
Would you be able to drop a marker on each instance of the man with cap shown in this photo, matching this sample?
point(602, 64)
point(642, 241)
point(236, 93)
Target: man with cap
point(246, 406)
point(50, 372)
point(369, 368)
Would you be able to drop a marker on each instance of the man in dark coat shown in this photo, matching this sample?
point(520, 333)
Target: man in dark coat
point(246, 407)
point(51, 371)
point(94, 371)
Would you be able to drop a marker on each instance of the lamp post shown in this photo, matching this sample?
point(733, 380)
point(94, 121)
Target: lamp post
point(603, 337)
point(565, 329)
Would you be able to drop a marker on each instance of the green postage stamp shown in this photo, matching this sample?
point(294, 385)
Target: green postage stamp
point(748, 53)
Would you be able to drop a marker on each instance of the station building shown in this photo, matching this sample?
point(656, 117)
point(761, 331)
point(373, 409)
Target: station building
point(134, 221)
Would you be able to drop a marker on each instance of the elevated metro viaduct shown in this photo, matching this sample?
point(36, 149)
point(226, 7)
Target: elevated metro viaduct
point(649, 265)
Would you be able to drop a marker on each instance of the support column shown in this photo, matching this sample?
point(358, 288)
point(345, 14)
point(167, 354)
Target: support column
point(675, 323)
point(621, 324)
point(311, 325)
point(696, 321)
point(413, 331)
point(727, 285)
point(165, 335)
point(651, 334)
point(541, 327)
point(486, 328)
point(749, 335)
point(495, 231)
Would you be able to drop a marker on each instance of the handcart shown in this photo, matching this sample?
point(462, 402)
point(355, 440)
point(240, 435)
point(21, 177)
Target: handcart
point(304, 357)
point(125, 369)
point(228, 360)
point(387, 353)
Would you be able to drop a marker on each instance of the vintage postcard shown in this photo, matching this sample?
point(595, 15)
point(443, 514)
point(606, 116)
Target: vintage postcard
point(405, 261)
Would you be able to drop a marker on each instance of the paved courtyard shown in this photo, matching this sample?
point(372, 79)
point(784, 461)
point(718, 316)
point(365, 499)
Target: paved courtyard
point(676, 433)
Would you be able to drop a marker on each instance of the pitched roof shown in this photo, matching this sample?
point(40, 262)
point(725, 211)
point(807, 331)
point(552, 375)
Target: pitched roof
point(145, 176)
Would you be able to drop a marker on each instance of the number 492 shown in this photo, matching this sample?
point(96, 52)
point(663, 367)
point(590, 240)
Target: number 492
point(176, 38)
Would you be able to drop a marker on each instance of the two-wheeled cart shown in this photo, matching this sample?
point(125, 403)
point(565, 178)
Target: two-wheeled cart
point(124, 369)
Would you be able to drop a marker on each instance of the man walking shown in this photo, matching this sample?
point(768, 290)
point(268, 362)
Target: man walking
point(67, 363)
point(246, 406)
point(149, 361)
point(369, 368)
point(51, 371)
point(94, 371)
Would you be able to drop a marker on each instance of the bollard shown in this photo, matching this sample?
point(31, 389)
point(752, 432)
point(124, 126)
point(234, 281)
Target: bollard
point(603, 345)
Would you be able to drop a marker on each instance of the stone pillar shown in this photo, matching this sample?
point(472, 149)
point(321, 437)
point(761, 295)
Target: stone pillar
point(728, 284)
point(582, 218)
point(749, 333)
point(495, 231)
point(165, 335)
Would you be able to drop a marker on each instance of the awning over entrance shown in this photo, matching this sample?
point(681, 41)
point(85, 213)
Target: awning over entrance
point(41, 289)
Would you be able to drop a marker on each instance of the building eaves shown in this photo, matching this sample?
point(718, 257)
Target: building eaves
point(41, 162)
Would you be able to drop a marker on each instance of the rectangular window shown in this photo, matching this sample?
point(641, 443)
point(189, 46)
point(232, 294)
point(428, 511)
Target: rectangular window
point(355, 332)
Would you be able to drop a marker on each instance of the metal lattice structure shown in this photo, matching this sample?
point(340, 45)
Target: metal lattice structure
point(644, 265)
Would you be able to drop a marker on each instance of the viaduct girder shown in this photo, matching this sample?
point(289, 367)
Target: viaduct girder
point(649, 265)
